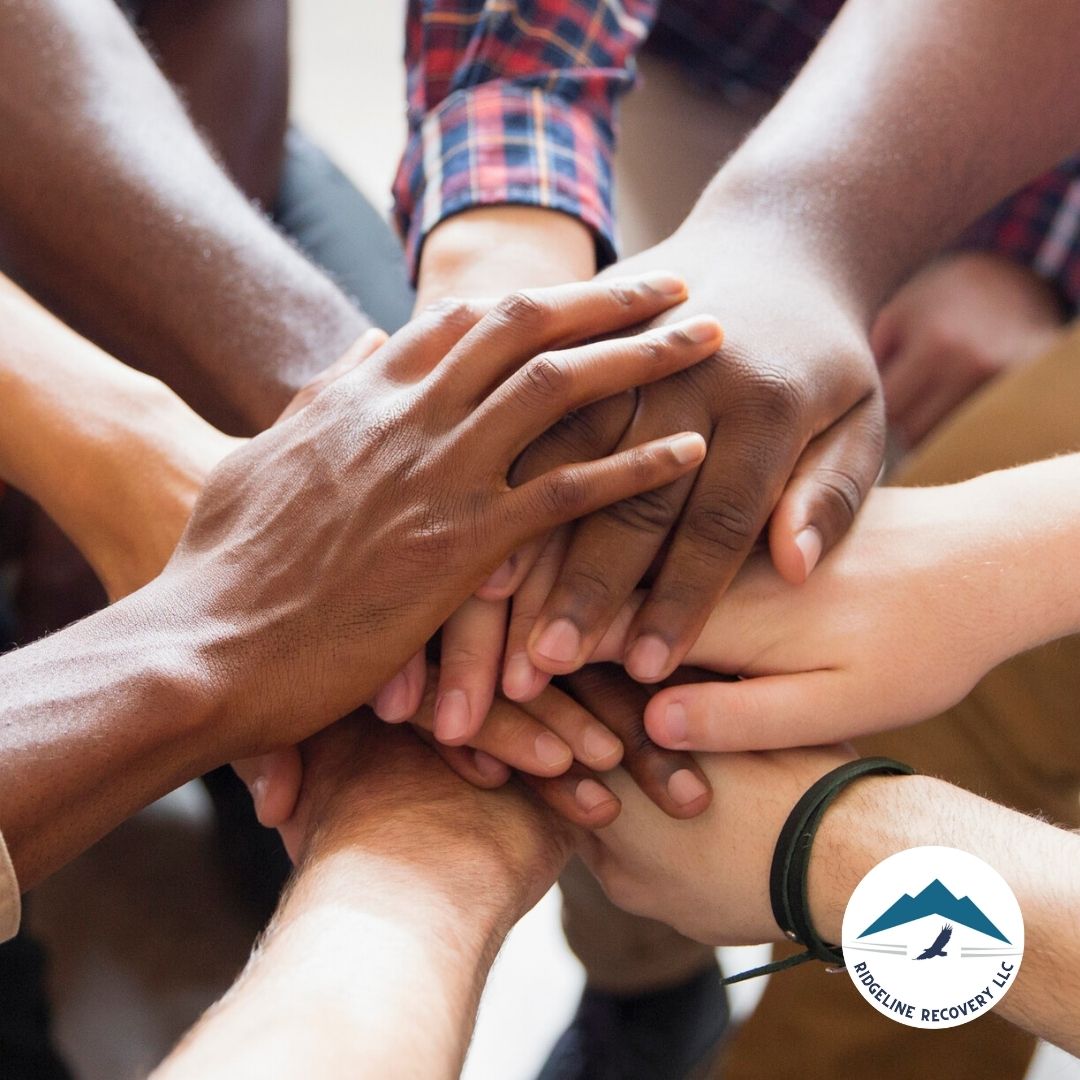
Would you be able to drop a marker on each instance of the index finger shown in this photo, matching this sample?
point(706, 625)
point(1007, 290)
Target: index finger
point(736, 489)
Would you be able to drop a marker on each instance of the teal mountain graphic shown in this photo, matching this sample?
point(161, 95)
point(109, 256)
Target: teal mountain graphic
point(935, 899)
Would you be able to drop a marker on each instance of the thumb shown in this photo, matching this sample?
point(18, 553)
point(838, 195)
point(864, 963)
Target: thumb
point(274, 783)
point(770, 712)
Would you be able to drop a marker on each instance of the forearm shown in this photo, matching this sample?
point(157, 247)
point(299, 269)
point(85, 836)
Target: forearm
point(906, 124)
point(488, 252)
point(113, 456)
point(878, 817)
point(371, 968)
point(230, 61)
point(1038, 507)
point(115, 211)
point(96, 722)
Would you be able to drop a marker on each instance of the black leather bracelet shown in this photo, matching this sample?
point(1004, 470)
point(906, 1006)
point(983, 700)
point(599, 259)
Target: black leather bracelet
point(791, 862)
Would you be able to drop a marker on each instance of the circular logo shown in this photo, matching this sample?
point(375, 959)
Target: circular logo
point(933, 937)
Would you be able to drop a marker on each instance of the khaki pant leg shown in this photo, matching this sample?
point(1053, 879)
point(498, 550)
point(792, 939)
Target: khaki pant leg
point(1015, 739)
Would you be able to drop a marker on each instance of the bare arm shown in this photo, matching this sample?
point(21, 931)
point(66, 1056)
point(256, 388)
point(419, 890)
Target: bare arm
point(908, 121)
point(1041, 863)
point(217, 659)
point(114, 457)
point(115, 212)
point(711, 881)
point(408, 883)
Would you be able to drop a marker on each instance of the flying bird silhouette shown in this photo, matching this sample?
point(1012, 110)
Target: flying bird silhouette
point(938, 947)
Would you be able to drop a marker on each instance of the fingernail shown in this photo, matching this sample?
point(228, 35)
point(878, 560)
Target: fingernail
point(488, 767)
point(560, 642)
point(684, 787)
point(599, 744)
point(551, 750)
point(676, 723)
point(665, 284)
point(688, 449)
point(589, 795)
point(700, 328)
point(518, 677)
point(258, 790)
point(648, 659)
point(502, 577)
point(809, 544)
point(451, 716)
point(391, 702)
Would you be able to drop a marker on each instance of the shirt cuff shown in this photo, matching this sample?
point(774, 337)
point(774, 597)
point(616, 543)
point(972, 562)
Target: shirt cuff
point(1038, 227)
point(498, 144)
point(10, 902)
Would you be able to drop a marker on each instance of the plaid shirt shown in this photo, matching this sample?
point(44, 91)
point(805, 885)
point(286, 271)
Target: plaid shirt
point(513, 101)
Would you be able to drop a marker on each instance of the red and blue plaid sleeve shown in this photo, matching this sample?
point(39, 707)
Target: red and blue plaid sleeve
point(1039, 226)
point(513, 101)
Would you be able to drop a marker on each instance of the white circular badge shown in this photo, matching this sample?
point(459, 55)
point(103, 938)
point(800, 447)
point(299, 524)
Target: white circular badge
point(933, 937)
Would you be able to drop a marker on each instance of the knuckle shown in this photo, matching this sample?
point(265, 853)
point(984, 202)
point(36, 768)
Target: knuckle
point(589, 589)
point(842, 494)
point(774, 397)
point(521, 308)
point(723, 521)
point(650, 512)
point(431, 534)
point(451, 313)
point(622, 294)
point(545, 378)
point(564, 493)
point(656, 348)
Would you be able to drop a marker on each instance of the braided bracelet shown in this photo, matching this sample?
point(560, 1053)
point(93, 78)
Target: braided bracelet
point(791, 862)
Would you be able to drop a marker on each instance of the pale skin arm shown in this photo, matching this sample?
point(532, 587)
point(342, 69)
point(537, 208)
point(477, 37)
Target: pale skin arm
point(113, 456)
point(1041, 863)
point(948, 581)
point(711, 882)
point(364, 968)
point(408, 882)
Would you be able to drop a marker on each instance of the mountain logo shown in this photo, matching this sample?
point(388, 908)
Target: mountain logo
point(935, 899)
point(933, 904)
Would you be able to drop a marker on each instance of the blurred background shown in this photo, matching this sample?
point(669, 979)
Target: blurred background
point(144, 931)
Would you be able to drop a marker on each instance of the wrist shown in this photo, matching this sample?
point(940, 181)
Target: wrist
point(151, 471)
point(870, 820)
point(413, 899)
point(490, 251)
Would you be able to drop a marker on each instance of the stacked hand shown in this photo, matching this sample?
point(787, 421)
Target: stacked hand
point(545, 742)
point(791, 409)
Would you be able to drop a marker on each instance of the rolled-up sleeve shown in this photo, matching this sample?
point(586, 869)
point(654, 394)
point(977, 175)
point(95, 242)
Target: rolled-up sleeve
point(513, 102)
point(10, 906)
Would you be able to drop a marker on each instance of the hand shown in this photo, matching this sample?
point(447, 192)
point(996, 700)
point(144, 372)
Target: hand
point(897, 624)
point(791, 408)
point(959, 323)
point(541, 740)
point(325, 552)
point(709, 877)
point(379, 789)
point(673, 781)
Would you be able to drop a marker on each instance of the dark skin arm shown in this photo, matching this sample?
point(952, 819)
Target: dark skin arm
point(118, 216)
point(908, 122)
point(230, 61)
